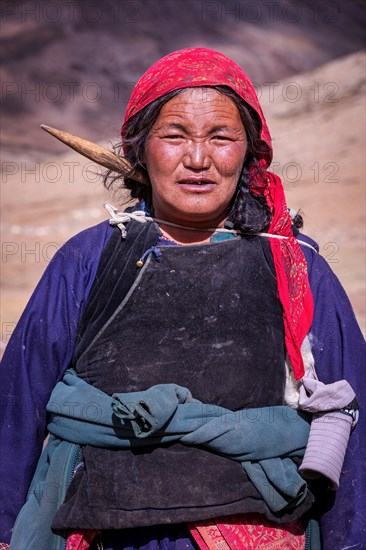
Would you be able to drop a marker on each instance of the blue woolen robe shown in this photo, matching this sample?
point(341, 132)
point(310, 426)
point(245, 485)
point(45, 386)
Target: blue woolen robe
point(41, 349)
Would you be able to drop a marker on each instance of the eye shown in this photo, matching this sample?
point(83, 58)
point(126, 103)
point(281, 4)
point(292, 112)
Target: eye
point(174, 136)
point(221, 138)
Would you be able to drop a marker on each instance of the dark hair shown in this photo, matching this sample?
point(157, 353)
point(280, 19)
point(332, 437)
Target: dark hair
point(249, 211)
point(298, 221)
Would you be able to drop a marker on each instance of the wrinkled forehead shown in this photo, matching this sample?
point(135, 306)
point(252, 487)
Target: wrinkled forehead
point(200, 106)
point(202, 95)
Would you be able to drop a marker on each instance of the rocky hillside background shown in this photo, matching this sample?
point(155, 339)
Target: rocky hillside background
point(72, 65)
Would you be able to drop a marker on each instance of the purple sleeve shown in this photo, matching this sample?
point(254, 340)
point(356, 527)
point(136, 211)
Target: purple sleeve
point(36, 357)
point(339, 352)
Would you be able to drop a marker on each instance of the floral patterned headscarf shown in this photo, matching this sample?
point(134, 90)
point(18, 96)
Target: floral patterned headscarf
point(194, 67)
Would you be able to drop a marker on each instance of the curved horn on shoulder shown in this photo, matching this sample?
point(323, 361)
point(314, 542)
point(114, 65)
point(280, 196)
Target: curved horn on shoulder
point(98, 154)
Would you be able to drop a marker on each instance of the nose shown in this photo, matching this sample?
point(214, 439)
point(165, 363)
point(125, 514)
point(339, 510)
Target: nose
point(197, 156)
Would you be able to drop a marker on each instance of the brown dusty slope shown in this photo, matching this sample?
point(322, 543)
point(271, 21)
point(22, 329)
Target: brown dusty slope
point(319, 144)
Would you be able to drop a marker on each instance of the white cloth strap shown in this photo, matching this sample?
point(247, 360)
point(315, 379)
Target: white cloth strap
point(119, 219)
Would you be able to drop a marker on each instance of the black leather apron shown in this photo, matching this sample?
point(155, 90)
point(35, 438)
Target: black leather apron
point(206, 317)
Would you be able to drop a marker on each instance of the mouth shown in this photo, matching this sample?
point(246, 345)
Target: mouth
point(197, 184)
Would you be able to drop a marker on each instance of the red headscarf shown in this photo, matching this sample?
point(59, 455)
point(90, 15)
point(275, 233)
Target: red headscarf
point(192, 67)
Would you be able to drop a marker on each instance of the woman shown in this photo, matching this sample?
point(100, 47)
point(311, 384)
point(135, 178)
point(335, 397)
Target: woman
point(204, 297)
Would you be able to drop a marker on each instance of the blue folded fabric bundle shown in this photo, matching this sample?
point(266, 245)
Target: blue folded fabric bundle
point(263, 440)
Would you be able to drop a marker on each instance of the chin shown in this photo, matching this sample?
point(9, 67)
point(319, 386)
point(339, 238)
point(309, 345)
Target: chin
point(208, 218)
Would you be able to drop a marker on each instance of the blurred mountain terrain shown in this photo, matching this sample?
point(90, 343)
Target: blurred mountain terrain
point(74, 63)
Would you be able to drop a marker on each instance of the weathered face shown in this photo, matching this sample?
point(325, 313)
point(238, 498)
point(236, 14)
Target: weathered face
point(194, 155)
